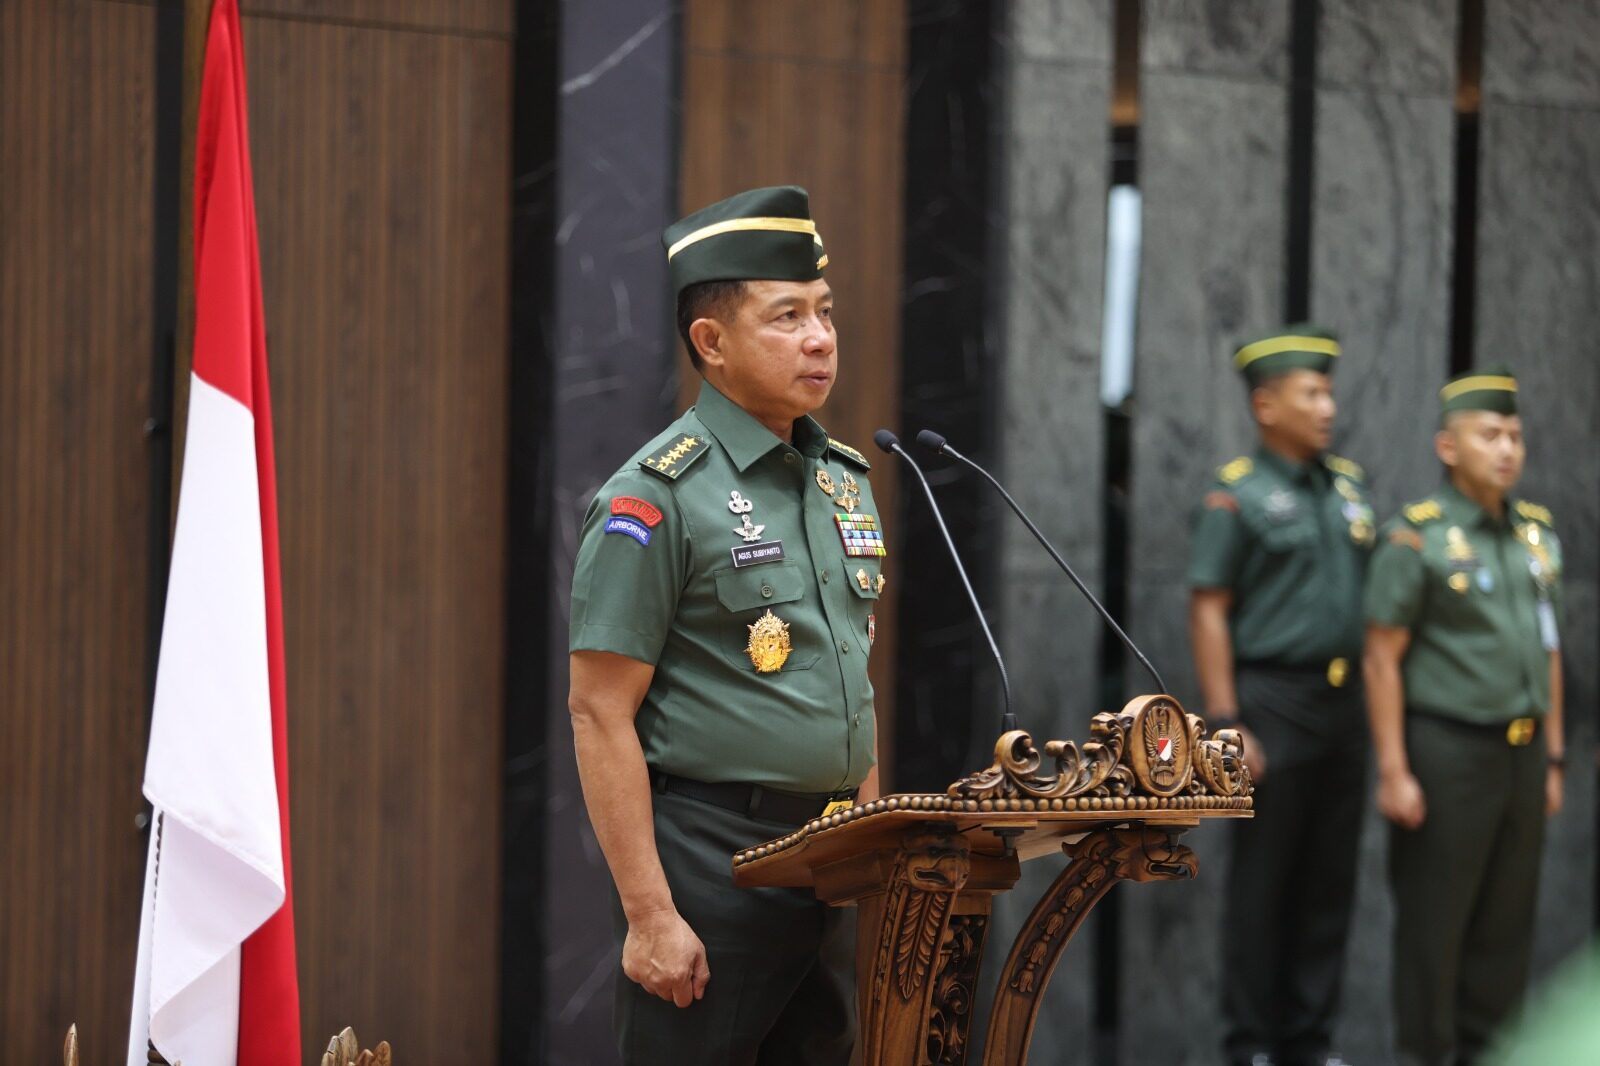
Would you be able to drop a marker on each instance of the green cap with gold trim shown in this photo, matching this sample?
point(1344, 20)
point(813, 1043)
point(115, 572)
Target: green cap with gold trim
point(761, 234)
point(1485, 389)
point(1299, 347)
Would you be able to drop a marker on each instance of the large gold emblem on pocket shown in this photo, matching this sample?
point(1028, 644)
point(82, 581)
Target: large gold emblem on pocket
point(769, 645)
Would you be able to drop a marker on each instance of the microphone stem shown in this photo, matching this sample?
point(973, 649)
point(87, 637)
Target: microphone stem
point(1008, 721)
point(1161, 686)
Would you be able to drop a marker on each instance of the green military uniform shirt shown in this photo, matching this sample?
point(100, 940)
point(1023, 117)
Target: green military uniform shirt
point(1291, 542)
point(712, 525)
point(1480, 596)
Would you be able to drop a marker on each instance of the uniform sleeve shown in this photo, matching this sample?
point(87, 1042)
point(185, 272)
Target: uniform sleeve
point(631, 567)
point(1396, 578)
point(1217, 547)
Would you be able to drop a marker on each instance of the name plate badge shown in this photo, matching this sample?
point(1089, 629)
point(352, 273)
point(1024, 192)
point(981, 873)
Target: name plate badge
point(768, 551)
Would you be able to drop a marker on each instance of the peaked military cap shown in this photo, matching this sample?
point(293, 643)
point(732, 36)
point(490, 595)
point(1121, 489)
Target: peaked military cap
point(1299, 347)
point(760, 234)
point(1487, 389)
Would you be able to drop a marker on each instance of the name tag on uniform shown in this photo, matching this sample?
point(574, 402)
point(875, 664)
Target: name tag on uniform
point(769, 551)
point(1548, 636)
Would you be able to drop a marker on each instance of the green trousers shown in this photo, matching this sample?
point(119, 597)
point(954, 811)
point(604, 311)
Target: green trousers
point(1465, 886)
point(1292, 872)
point(782, 988)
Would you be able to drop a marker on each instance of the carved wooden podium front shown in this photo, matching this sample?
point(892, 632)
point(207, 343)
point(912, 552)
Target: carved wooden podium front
point(922, 870)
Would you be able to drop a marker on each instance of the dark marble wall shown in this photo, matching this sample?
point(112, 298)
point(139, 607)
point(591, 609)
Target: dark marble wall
point(1538, 311)
point(1056, 154)
point(612, 384)
point(1213, 138)
point(1381, 247)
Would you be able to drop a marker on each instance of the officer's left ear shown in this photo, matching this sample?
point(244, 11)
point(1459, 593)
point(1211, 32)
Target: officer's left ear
point(1444, 445)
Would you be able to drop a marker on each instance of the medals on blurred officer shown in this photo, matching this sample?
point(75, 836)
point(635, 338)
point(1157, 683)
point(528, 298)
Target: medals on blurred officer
point(769, 645)
point(825, 482)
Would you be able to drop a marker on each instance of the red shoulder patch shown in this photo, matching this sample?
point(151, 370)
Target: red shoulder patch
point(1222, 501)
point(646, 512)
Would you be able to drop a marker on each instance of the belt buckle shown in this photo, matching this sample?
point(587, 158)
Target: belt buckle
point(1519, 732)
point(836, 806)
point(1338, 670)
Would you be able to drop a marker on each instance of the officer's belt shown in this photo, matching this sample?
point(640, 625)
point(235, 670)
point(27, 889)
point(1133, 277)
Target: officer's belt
point(1518, 732)
point(757, 801)
point(1333, 672)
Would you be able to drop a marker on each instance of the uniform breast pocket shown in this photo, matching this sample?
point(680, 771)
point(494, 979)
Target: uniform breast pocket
point(1289, 537)
point(749, 639)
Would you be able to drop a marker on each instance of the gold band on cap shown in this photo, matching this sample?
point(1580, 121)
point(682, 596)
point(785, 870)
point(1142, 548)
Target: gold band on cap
point(734, 225)
point(1477, 383)
point(1274, 345)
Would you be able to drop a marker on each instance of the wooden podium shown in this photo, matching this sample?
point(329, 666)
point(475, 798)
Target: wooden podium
point(923, 870)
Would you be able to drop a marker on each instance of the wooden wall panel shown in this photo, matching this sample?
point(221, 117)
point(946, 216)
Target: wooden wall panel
point(382, 183)
point(472, 17)
point(758, 109)
point(77, 132)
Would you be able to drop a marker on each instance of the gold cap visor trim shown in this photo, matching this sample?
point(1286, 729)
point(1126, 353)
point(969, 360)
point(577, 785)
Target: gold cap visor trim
point(1479, 383)
point(1274, 345)
point(737, 225)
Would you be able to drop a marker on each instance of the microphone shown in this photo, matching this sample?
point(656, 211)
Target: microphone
point(890, 443)
point(939, 446)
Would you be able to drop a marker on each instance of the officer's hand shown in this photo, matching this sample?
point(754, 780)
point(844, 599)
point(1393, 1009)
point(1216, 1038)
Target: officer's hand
point(662, 954)
point(1401, 801)
point(1255, 756)
point(1553, 782)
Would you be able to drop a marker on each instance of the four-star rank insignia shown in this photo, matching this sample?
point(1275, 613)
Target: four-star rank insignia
point(861, 536)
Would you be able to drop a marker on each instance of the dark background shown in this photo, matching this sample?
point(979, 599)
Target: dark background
point(459, 208)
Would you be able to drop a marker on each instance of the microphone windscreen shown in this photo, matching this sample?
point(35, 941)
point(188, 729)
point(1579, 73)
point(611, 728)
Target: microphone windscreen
point(932, 441)
point(885, 440)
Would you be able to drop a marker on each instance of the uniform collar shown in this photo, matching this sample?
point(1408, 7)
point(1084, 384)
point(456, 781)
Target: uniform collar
point(1463, 510)
point(745, 439)
point(1285, 467)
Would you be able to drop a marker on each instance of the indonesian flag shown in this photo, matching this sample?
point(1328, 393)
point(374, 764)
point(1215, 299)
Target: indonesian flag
point(216, 974)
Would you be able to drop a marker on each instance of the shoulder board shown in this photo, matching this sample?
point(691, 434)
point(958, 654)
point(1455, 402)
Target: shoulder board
point(1425, 511)
point(849, 453)
point(1230, 472)
point(1340, 465)
point(1535, 513)
point(673, 461)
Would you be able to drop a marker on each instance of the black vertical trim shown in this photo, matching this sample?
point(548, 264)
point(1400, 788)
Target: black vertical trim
point(167, 191)
point(1301, 159)
point(536, 101)
point(949, 358)
point(1464, 274)
point(1116, 493)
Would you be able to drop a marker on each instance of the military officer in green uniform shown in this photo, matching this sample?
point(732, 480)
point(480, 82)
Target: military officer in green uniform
point(1463, 680)
point(1279, 550)
point(723, 610)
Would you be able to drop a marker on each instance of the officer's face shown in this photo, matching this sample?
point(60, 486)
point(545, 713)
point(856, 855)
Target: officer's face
point(1298, 406)
point(1484, 448)
point(777, 356)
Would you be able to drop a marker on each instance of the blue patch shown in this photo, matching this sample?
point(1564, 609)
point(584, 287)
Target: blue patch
point(627, 526)
point(1485, 579)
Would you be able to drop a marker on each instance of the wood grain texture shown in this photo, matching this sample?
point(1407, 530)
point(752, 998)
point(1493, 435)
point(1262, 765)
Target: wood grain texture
point(832, 122)
point(77, 131)
point(382, 184)
point(456, 17)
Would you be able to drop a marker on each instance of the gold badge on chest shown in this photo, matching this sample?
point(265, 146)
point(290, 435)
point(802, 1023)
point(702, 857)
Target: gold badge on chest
point(849, 489)
point(769, 644)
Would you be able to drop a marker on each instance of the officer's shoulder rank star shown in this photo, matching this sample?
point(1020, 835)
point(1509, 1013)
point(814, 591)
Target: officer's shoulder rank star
point(849, 453)
point(1231, 472)
point(1340, 465)
point(1535, 513)
point(1422, 512)
point(672, 461)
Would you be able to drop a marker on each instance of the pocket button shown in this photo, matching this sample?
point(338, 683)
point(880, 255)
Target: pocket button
point(766, 590)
